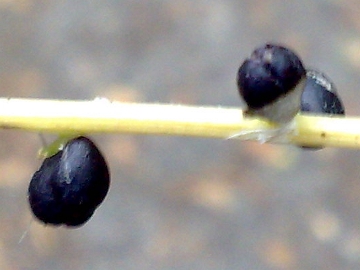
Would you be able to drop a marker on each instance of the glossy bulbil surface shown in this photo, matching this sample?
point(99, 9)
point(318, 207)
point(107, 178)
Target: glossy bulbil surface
point(70, 185)
point(320, 95)
point(271, 71)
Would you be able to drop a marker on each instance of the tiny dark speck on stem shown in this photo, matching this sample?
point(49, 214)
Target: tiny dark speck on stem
point(323, 135)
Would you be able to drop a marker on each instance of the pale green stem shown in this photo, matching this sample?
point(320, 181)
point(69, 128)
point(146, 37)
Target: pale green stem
point(104, 116)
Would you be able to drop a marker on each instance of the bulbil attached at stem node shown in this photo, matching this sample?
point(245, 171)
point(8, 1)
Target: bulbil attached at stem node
point(271, 83)
point(70, 185)
point(275, 85)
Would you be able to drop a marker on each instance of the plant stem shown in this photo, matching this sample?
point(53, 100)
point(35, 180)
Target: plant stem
point(104, 116)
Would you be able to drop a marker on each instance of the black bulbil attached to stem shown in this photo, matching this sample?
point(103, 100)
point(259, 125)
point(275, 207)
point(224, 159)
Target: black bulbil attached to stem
point(70, 185)
point(320, 97)
point(271, 82)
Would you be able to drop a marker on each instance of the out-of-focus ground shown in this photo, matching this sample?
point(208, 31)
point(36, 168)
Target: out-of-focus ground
point(181, 203)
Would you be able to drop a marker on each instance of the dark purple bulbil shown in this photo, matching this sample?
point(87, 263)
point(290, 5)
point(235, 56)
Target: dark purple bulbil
point(269, 73)
point(320, 95)
point(70, 185)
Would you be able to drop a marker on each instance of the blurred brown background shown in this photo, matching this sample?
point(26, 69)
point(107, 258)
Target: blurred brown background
point(181, 203)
